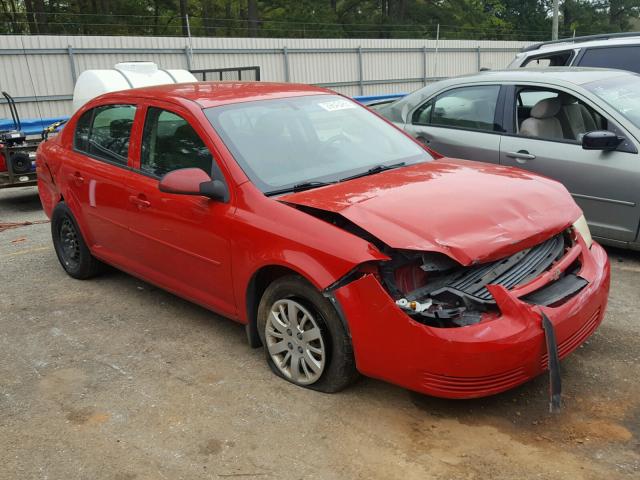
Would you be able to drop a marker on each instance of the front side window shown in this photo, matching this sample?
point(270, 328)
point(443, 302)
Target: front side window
point(284, 142)
point(467, 107)
point(170, 143)
point(622, 58)
point(554, 115)
point(104, 132)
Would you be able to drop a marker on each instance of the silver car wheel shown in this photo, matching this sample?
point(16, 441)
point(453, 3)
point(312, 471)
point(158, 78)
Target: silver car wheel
point(294, 342)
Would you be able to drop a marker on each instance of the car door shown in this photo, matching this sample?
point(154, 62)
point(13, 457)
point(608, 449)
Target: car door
point(604, 184)
point(180, 242)
point(95, 171)
point(460, 122)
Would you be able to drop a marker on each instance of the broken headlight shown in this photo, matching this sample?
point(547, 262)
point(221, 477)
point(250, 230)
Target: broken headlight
point(437, 291)
point(582, 227)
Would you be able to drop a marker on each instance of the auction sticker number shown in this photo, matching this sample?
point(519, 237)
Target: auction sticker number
point(337, 105)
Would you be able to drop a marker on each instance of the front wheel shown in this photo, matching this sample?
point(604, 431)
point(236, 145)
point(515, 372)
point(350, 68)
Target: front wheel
point(70, 247)
point(304, 339)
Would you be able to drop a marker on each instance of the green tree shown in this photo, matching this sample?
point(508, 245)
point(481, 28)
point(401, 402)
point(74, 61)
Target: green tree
point(480, 19)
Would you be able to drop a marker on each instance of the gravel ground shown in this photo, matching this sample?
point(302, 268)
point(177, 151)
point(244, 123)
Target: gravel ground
point(115, 379)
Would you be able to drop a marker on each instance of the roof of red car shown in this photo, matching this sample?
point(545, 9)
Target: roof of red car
point(211, 94)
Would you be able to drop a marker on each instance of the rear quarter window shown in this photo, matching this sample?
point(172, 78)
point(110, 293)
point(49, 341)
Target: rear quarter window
point(622, 58)
point(81, 135)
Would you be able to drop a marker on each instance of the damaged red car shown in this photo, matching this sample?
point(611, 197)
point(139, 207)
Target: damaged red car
point(340, 243)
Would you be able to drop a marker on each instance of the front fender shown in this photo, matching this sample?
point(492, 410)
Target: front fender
point(274, 234)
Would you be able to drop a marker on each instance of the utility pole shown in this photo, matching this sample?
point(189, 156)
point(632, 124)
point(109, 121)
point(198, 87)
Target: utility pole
point(184, 9)
point(435, 60)
point(252, 17)
point(554, 27)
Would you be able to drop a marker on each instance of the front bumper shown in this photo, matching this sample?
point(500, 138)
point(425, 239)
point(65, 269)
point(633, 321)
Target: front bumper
point(477, 360)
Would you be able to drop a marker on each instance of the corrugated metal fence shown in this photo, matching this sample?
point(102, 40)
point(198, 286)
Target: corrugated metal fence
point(47, 66)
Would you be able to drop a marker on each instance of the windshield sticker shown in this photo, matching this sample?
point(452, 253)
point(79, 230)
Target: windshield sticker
point(336, 105)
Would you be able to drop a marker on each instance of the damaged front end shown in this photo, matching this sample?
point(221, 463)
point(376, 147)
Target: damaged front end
point(437, 291)
point(472, 329)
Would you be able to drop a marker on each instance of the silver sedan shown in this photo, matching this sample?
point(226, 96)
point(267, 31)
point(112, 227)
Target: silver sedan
point(580, 126)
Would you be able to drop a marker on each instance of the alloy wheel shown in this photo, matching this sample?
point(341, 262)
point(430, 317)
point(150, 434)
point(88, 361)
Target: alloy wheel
point(294, 342)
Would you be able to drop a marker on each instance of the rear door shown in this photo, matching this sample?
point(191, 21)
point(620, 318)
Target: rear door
point(604, 184)
point(180, 241)
point(96, 171)
point(461, 122)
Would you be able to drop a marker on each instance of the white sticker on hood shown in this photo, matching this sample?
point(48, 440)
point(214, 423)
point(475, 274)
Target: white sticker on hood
point(334, 105)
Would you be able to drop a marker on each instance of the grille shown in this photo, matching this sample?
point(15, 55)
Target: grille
point(508, 272)
point(469, 385)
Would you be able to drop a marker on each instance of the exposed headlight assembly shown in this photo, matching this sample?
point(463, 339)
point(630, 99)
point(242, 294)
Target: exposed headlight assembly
point(582, 228)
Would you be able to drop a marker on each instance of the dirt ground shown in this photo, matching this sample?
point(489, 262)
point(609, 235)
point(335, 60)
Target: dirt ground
point(115, 379)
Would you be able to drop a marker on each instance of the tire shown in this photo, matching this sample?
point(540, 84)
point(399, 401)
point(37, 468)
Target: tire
point(70, 247)
point(316, 328)
point(20, 163)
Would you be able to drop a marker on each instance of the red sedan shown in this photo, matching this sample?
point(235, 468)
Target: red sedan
point(337, 240)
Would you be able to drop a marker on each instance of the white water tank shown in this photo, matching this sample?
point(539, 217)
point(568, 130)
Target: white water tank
point(124, 76)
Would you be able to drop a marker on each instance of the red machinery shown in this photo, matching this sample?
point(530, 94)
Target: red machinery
point(17, 154)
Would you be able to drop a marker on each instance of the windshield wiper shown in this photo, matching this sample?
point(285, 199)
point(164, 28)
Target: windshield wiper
point(373, 170)
point(298, 187)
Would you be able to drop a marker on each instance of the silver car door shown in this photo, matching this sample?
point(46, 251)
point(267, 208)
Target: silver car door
point(604, 184)
point(460, 123)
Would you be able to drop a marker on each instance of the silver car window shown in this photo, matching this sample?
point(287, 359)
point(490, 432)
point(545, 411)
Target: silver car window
point(556, 59)
point(566, 118)
point(466, 107)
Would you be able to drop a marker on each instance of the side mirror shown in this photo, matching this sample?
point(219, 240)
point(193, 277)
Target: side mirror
point(601, 140)
point(193, 181)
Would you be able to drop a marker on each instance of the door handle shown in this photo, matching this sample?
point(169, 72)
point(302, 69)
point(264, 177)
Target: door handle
point(424, 140)
point(140, 201)
point(521, 156)
point(76, 178)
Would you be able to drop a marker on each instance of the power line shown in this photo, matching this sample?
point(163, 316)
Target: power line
point(361, 27)
point(85, 26)
point(295, 28)
point(283, 22)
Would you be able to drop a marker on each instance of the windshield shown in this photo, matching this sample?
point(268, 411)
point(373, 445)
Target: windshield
point(318, 138)
point(622, 93)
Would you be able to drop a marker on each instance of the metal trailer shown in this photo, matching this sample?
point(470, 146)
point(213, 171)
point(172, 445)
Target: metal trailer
point(17, 153)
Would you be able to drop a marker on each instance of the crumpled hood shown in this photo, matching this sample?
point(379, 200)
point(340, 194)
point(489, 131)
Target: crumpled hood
point(472, 212)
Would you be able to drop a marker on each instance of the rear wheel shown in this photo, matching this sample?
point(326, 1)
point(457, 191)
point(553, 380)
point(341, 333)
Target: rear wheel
point(70, 247)
point(304, 339)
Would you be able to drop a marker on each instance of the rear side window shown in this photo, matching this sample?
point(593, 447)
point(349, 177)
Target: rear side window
point(622, 58)
point(104, 132)
point(467, 107)
point(557, 59)
point(170, 143)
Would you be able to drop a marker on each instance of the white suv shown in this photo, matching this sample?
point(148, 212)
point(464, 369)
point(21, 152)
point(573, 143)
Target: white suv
point(615, 50)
